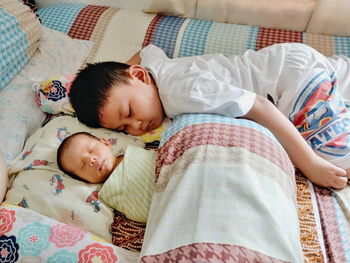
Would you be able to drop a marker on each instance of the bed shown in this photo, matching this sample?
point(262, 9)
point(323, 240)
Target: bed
point(225, 189)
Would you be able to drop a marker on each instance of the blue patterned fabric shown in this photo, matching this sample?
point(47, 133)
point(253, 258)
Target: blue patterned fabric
point(194, 39)
point(189, 119)
point(13, 47)
point(52, 16)
point(342, 45)
point(166, 33)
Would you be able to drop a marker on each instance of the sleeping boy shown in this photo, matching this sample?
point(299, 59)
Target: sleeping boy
point(128, 181)
point(307, 113)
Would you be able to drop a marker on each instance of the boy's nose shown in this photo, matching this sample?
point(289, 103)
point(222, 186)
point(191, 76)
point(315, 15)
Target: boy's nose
point(134, 125)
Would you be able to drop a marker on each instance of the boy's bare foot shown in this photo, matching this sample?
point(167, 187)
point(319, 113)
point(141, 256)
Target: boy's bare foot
point(348, 172)
point(323, 173)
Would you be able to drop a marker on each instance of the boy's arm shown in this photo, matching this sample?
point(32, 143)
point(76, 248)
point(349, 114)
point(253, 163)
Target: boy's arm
point(302, 156)
point(3, 178)
point(135, 59)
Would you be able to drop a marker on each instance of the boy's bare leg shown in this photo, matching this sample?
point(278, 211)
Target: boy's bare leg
point(315, 168)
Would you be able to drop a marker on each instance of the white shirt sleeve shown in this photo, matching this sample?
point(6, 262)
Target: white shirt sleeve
point(193, 85)
point(203, 93)
point(150, 54)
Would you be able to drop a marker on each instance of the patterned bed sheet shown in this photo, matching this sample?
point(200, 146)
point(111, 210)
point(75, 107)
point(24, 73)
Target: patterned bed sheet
point(26, 236)
point(323, 214)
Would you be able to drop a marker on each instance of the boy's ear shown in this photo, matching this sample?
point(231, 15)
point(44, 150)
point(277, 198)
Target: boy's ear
point(139, 72)
point(105, 141)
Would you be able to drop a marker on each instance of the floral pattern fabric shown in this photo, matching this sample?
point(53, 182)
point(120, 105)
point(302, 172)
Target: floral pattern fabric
point(28, 236)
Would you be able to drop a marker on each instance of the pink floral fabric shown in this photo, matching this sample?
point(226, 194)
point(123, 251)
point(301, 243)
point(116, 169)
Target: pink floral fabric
point(65, 236)
point(26, 236)
point(7, 218)
point(97, 252)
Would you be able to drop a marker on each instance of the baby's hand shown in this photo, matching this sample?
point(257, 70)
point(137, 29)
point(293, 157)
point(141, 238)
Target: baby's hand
point(323, 173)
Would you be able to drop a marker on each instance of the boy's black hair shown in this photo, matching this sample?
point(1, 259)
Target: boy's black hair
point(63, 146)
point(90, 89)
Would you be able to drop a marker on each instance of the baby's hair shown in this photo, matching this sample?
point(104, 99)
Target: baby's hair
point(61, 150)
point(90, 89)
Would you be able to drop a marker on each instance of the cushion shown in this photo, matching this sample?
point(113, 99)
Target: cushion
point(52, 94)
point(172, 7)
point(20, 115)
point(20, 34)
point(38, 184)
point(330, 17)
point(286, 14)
point(130, 187)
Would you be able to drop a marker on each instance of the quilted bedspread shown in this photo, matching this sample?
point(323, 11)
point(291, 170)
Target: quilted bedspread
point(217, 183)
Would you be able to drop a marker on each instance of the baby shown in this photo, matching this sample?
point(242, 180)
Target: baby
point(128, 180)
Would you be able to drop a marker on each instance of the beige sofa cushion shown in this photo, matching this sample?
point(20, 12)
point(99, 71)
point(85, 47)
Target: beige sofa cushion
point(331, 18)
point(182, 8)
point(283, 14)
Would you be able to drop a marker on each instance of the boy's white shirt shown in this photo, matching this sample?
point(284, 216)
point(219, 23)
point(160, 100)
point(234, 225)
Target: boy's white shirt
point(228, 85)
point(205, 85)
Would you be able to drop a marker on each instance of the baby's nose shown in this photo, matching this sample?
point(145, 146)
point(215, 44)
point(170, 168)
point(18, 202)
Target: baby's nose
point(92, 160)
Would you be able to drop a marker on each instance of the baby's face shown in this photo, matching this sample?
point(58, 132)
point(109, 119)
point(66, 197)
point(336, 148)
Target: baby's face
point(89, 159)
point(134, 108)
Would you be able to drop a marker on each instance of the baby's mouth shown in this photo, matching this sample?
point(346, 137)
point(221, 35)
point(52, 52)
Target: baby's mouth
point(101, 165)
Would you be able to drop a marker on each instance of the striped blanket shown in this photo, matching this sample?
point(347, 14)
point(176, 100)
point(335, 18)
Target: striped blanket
point(226, 187)
point(119, 33)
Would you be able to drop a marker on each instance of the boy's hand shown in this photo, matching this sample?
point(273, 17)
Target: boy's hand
point(325, 174)
point(316, 169)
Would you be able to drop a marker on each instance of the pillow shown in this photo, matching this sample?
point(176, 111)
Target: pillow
point(330, 17)
point(19, 38)
point(130, 187)
point(38, 184)
point(52, 94)
point(20, 115)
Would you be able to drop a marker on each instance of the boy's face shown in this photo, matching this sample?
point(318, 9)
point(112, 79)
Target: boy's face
point(134, 107)
point(88, 158)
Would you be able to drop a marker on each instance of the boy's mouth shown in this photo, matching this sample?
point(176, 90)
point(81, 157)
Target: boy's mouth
point(146, 126)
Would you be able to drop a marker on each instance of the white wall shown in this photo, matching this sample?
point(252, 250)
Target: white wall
point(129, 4)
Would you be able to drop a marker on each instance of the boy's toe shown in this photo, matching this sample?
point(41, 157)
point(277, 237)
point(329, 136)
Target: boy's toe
point(340, 182)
